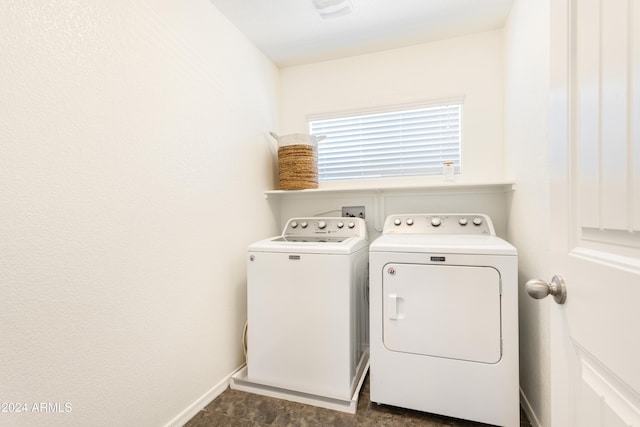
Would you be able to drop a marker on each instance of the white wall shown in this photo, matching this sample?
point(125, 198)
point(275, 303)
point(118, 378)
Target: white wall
point(133, 158)
point(469, 66)
point(526, 137)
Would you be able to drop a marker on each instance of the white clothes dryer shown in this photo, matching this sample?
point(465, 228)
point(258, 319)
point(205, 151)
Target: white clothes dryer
point(307, 309)
point(444, 318)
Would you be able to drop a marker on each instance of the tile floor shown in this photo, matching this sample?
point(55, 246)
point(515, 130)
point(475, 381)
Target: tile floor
point(235, 408)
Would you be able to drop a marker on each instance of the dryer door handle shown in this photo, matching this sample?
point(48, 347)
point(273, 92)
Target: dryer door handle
point(392, 307)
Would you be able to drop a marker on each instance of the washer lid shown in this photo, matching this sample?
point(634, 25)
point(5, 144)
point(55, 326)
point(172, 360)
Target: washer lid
point(314, 245)
point(443, 243)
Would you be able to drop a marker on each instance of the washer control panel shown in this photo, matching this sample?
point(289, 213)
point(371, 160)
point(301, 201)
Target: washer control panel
point(326, 226)
point(439, 224)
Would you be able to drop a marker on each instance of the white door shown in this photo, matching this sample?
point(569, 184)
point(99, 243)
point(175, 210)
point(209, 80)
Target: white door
point(595, 211)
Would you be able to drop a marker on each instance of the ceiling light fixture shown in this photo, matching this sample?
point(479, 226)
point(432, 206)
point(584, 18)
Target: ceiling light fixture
point(330, 9)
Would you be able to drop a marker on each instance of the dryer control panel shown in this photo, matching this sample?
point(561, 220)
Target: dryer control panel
point(439, 224)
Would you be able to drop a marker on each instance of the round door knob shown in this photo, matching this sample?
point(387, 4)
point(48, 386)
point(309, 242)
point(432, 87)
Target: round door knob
point(397, 221)
point(435, 221)
point(538, 289)
point(322, 224)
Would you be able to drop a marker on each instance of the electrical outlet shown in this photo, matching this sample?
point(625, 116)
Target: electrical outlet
point(353, 211)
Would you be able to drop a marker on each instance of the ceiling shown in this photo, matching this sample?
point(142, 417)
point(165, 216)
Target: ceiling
point(290, 32)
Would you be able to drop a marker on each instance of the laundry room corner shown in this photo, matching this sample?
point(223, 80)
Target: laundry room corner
point(316, 212)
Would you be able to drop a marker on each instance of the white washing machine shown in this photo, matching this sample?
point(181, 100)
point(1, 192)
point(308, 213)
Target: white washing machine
point(307, 337)
point(444, 318)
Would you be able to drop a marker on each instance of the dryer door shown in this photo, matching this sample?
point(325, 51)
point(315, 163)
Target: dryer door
point(442, 311)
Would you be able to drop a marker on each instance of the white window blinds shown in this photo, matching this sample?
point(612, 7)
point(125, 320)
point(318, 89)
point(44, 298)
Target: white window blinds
point(413, 141)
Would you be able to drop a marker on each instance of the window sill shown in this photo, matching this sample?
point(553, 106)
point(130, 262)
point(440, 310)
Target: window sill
point(431, 188)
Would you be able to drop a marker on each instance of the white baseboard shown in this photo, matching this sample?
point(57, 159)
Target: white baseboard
point(526, 406)
point(182, 418)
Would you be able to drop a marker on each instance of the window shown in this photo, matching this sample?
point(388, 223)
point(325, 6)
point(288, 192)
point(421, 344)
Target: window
point(410, 141)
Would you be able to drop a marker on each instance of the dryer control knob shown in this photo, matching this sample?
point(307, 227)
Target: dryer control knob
point(463, 221)
point(409, 221)
point(322, 225)
point(477, 221)
point(340, 224)
point(350, 224)
point(294, 224)
point(397, 221)
point(436, 222)
point(303, 224)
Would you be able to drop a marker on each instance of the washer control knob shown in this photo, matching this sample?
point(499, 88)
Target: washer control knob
point(463, 221)
point(340, 224)
point(303, 224)
point(436, 222)
point(350, 224)
point(409, 221)
point(397, 221)
point(322, 225)
point(294, 224)
point(477, 221)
